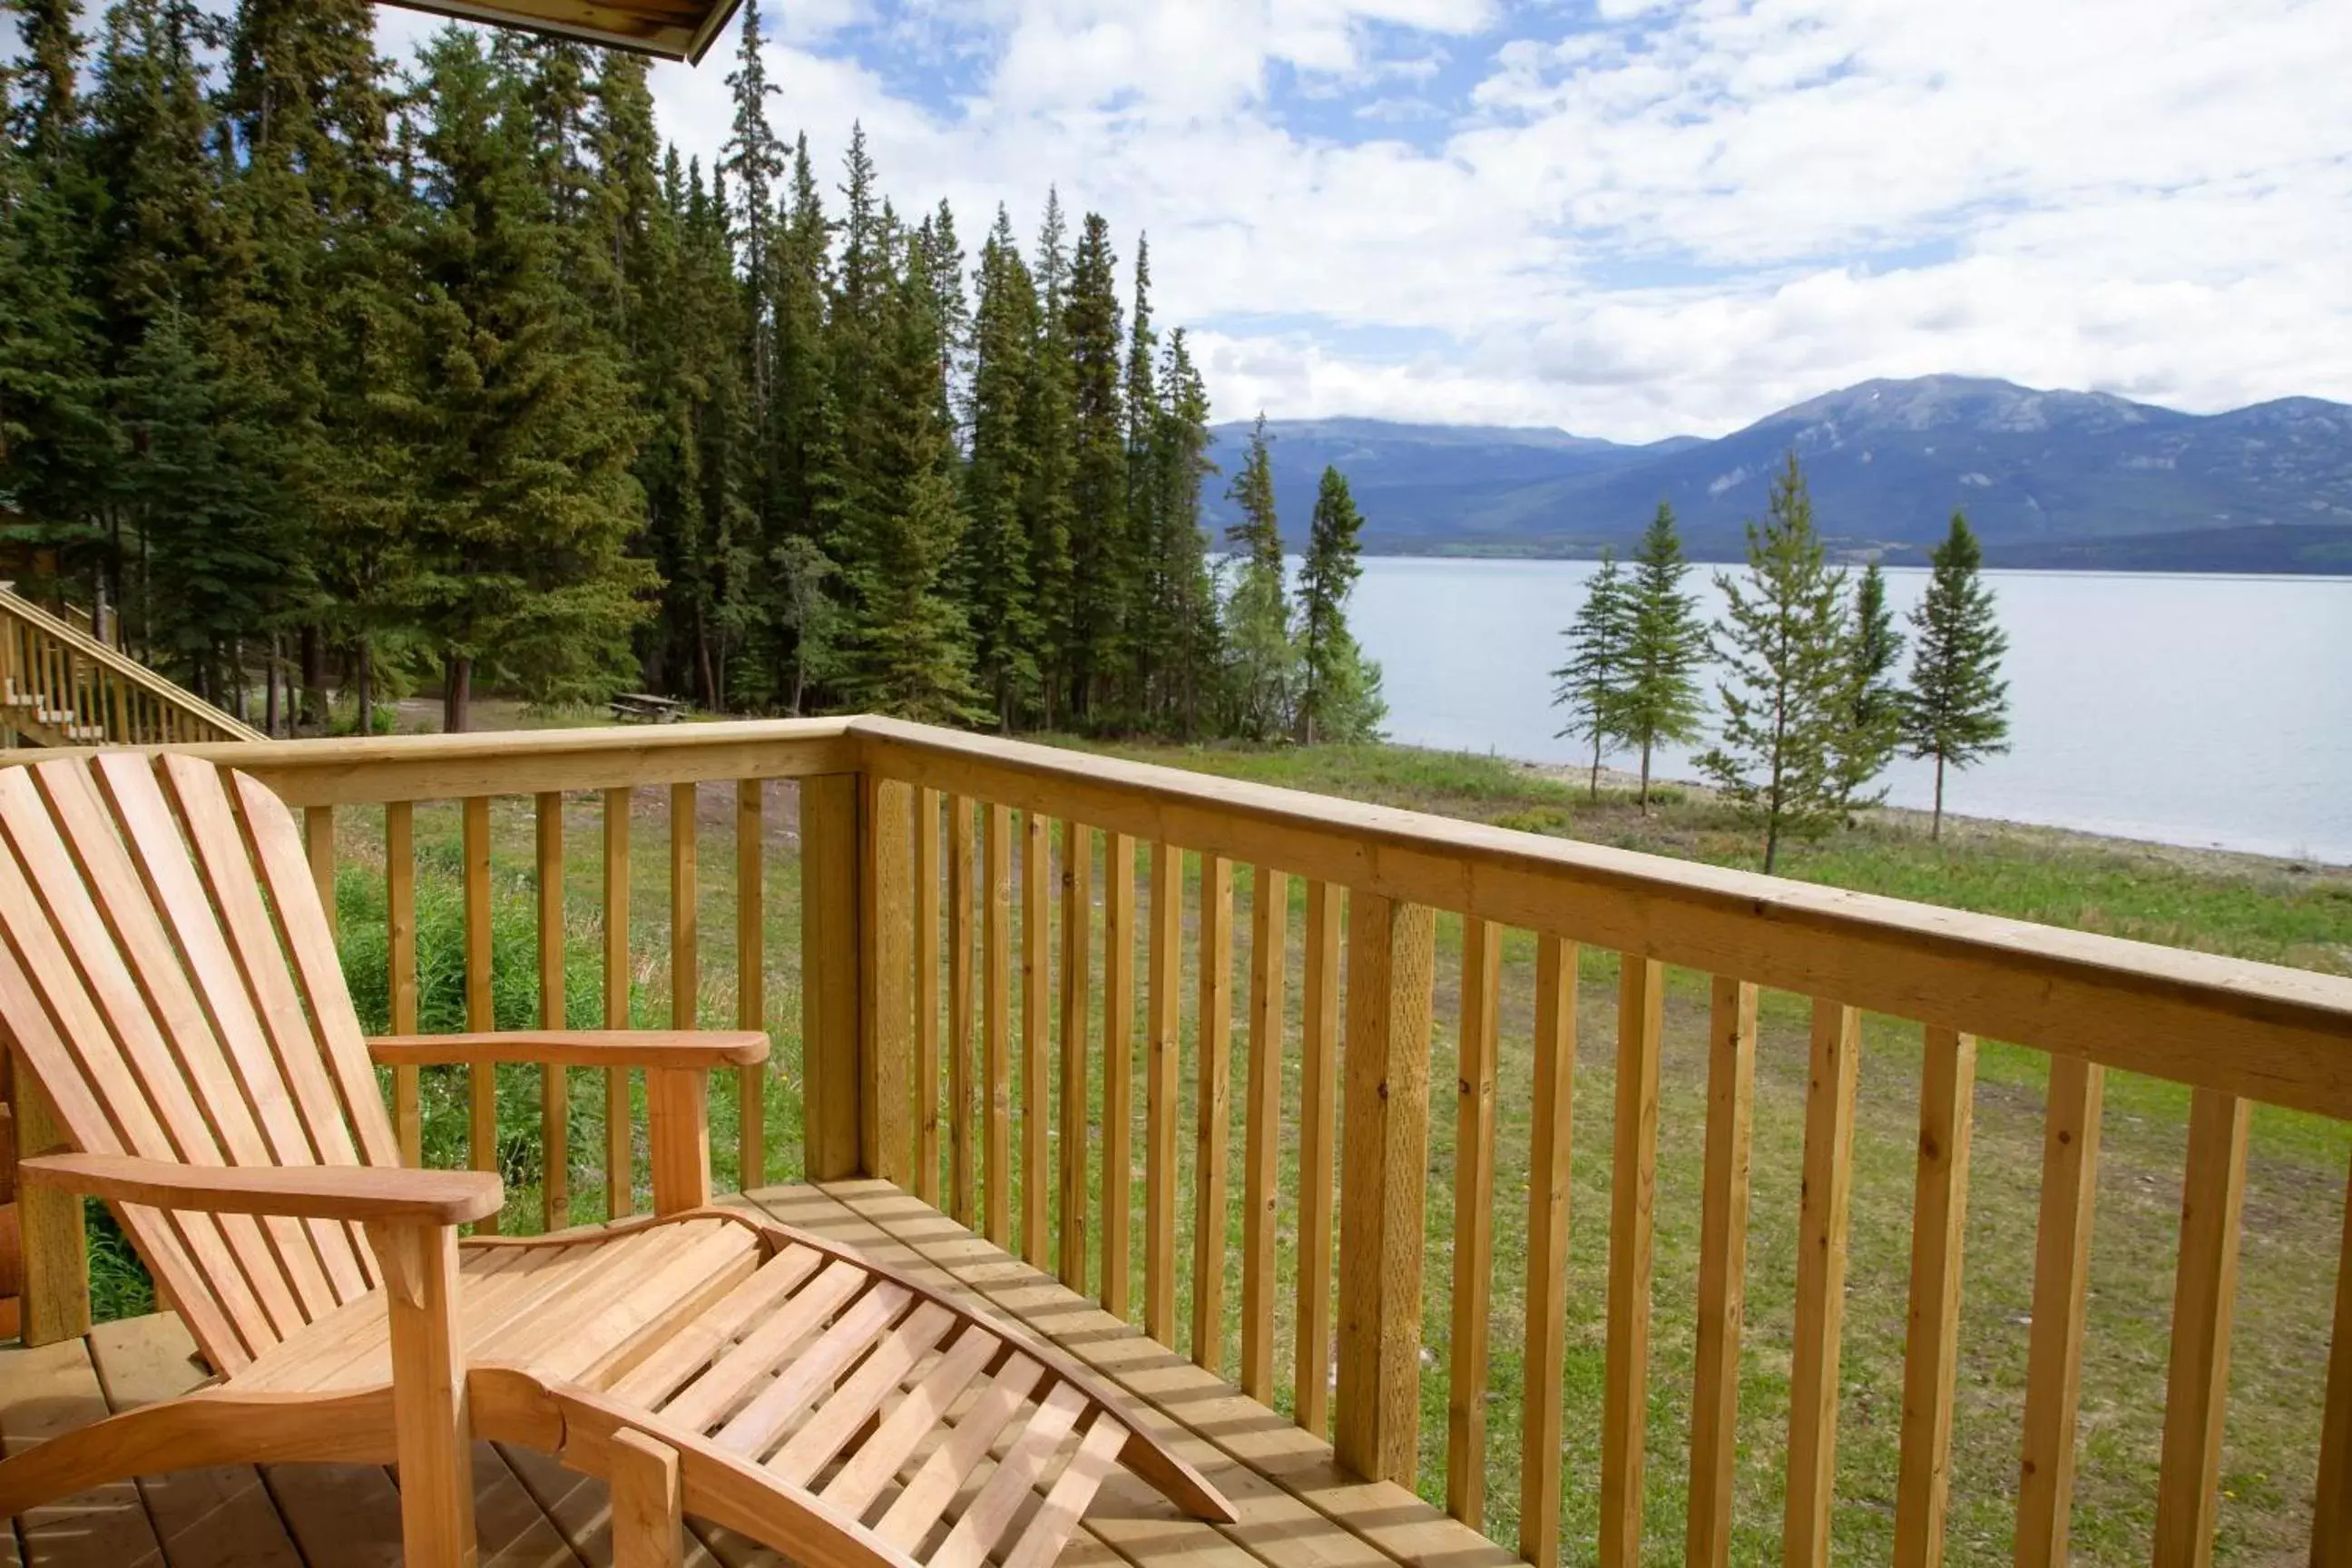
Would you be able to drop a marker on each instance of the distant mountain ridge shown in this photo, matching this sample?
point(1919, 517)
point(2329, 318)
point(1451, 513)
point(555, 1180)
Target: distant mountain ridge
point(2081, 479)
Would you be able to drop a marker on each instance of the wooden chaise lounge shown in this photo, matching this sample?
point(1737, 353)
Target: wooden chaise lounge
point(169, 976)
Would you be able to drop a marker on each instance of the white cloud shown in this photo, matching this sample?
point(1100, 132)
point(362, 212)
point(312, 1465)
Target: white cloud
point(1678, 220)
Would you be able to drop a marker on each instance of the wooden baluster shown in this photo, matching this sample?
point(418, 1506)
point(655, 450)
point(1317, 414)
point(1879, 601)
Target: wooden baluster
point(1391, 966)
point(554, 1082)
point(752, 977)
point(1037, 1029)
point(2062, 1277)
point(927, 997)
point(2331, 1525)
point(831, 985)
point(1632, 1196)
point(1163, 1051)
point(1213, 1108)
point(318, 844)
point(1319, 1141)
point(620, 1141)
point(400, 945)
point(1722, 1272)
point(996, 1056)
point(960, 1014)
point(1118, 1068)
point(886, 927)
point(684, 909)
point(1931, 1346)
point(1269, 932)
point(1822, 1223)
point(1547, 1288)
point(1078, 923)
point(2197, 1391)
point(482, 1081)
point(1473, 1220)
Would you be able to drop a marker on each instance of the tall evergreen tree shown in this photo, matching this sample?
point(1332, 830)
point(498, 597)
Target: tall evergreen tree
point(1102, 563)
point(1872, 701)
point(997, 586)
point(526, 439)
point(1592, 680)
point(1262, 682)
point(1665, 645)
point(1189, 651)
point(1957, 706)
point(909, 643)
point(1047, 507)
point(1783, 637)
point(1338, 689)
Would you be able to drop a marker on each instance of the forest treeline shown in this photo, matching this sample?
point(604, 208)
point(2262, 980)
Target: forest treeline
point(335, 379)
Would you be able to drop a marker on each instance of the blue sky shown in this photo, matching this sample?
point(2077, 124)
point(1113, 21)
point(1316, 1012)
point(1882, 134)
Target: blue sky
point(1633, 218)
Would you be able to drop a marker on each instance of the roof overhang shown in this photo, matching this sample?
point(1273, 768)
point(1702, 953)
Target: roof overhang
point(666, 29)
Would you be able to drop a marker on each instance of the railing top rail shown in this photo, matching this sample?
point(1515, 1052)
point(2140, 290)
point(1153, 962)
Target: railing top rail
point(373, 769)
point(2265, 1031)
point(231, 728)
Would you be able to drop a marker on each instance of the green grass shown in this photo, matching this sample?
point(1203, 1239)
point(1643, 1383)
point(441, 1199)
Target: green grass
point(2255, 910)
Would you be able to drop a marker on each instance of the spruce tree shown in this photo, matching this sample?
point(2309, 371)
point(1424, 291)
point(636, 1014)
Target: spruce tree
point(1872, 702)
point(1047, 507)
point(1957, 706)
point(909, 645)
point(1192, 651)
point(1102, 561)
point(1338, 689)
point(1665, 645)
point(1783, 637)
point(1262, 679)
point(526, 437)
point(1592, 679)
point(996, 570)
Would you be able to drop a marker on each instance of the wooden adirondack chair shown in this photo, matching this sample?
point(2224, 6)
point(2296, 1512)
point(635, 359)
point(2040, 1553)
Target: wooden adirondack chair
point(168, 974)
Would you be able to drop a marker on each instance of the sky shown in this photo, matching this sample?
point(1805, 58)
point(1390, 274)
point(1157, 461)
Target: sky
point(1630, 218)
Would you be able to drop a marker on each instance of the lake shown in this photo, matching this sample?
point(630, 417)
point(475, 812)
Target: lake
point(2211, 710)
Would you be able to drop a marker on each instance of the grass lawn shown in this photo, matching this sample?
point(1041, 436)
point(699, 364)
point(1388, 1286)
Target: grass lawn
point(2258, 909)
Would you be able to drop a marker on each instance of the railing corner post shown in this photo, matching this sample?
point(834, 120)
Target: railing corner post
point(1384, 1159)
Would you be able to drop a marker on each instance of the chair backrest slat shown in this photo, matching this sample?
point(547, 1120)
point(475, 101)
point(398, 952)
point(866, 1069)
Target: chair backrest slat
point(168, 974)
point(235, 1083)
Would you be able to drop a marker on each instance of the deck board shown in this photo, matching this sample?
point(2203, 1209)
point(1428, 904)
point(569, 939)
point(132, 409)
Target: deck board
point(1297, 1509)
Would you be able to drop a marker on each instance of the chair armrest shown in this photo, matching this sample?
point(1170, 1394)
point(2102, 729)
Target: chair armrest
point(370, 1195)
point(655, 1048)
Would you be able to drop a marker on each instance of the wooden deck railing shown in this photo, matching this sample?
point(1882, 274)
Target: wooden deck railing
point(59, 686)
point(951, 1045)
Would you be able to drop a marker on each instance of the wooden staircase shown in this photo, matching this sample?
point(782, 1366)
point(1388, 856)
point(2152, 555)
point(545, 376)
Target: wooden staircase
point(59, 686)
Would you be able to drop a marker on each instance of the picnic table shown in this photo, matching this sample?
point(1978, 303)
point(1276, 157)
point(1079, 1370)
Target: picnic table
point(645, 708)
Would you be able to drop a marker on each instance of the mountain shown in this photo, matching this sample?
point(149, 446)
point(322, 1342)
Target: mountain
point(2084, 478)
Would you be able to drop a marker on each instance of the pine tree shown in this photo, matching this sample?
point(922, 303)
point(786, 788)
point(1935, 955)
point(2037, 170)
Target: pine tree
point(56, 448)
point(1593, 678)
point(1783, 638)
point(1956, 708)
point(909, 645)
point(1102, 560)
point(1338, 689)
point(1262, 680)
point(526, 439)
point(811, 481)
point(1191, 652)
point(997, 586)
point(1665, 645)
point(1871, 703)
point(1047, 509)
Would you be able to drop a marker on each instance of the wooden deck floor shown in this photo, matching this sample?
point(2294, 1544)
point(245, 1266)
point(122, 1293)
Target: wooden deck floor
point(1297, 1509)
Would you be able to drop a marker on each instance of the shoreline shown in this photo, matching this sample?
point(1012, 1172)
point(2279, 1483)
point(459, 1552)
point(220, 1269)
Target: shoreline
point(1961, 826)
